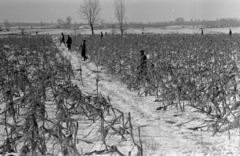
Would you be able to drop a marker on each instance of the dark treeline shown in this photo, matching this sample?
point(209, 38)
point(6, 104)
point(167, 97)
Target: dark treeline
point(220, 22)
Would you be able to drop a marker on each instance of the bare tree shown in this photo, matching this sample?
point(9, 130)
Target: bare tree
point(89, 11)
point(69, 20)
point(7, 25)
point(120, 12)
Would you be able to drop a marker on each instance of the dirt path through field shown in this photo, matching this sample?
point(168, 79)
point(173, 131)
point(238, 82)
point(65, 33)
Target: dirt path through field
point(161, 131)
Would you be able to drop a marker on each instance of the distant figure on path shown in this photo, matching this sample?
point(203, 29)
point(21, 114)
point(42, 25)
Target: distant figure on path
point(101, 35)
point(143, 65)
point(69, 42)
point(62, 40)
point(84, 50)
point(230, 32)
point(202, 32)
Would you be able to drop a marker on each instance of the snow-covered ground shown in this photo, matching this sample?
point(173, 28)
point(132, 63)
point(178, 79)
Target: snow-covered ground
point(148, 30)
point(161, 30)
point(163, 133)
point(166, 133)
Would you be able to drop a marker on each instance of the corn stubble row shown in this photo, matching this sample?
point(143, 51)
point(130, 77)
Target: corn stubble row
point(40, 107)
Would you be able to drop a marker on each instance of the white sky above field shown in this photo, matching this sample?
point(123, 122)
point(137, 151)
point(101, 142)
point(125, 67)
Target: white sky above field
point(137, 10)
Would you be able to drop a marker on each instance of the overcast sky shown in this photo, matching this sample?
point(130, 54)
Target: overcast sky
point(137, 10)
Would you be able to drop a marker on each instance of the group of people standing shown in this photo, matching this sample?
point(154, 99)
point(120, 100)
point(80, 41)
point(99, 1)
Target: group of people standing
point(142, 68)
point(69, 43)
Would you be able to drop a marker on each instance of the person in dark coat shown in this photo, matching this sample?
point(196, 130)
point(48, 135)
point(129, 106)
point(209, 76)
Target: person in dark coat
point(143, 65)
point(84, 50)
point(202, 32)
point(62, 40)
point(101, 35)
point(230, 32)
point(69, 42)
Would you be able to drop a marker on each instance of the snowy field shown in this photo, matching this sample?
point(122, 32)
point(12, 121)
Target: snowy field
point(147, 30)
point(163, 133)
point(166, 133)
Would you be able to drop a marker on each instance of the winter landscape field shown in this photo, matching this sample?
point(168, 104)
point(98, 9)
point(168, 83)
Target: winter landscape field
point(54, 103)
point(119, 78)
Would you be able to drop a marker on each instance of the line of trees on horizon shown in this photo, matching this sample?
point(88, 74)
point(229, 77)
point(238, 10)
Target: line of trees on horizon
point(65, 23)
point(219, 22)
point(180, 21)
